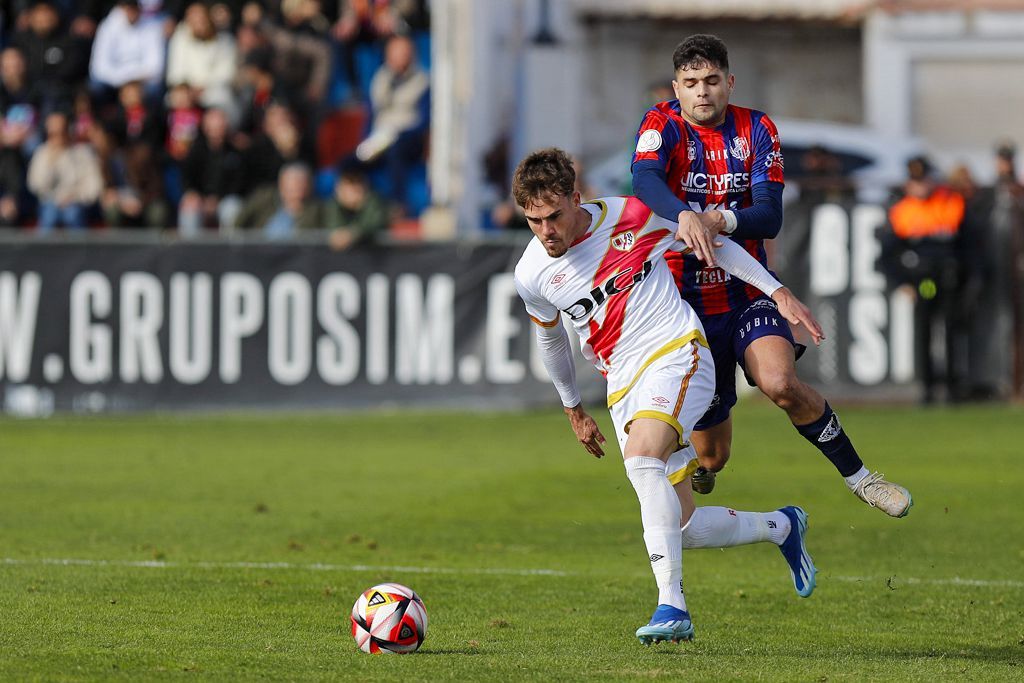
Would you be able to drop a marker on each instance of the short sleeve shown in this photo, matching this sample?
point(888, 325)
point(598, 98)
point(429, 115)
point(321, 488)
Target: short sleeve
point(768, 162)
point(656, 139)
point(540, 310)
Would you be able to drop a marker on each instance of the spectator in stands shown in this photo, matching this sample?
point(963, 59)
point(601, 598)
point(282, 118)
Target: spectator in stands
point(821, 180)
point(280, 143)
point(355, 214)
point(65, 177)
point(203, 59)
point(302, 56)
point(922, 252)
point(17, 103)
point(135, 120)
point(83, 118)
point(280, 211)
point(1006, 301)
point(398, 95)
point(56, 59)
point(183, 121)
point(257, 90)
point(133, 195)
point(212, 177)
point(17, 135)
point(128, 47)
point(360, 23)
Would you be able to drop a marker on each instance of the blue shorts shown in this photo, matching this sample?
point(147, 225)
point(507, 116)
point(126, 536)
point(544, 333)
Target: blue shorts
point(729, 335)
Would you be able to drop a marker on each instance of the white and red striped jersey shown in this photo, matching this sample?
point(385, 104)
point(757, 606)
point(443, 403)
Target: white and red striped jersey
point(616, 289)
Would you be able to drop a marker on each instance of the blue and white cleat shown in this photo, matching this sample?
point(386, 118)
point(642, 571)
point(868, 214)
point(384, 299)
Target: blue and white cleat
point(800, 563)
point(667, 623)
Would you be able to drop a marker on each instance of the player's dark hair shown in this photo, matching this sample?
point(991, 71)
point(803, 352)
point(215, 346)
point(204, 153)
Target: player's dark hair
point(699, 51)
point(544, 173)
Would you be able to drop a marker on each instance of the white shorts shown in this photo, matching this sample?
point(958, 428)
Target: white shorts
point(676, 389)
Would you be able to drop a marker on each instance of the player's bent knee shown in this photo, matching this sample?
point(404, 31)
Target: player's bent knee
point(715, 460)
point(783, 389)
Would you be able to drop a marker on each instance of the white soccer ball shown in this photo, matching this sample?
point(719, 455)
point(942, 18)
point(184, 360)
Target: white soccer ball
point(389, 618)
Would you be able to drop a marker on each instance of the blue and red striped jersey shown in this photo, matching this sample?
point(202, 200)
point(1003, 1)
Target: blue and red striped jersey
point(712, 168)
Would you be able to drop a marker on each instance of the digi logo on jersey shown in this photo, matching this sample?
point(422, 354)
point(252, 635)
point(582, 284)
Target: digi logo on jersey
point(715, 183)
point(616, 284)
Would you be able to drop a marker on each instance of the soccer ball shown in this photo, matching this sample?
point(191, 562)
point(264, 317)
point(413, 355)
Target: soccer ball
point(389, 618)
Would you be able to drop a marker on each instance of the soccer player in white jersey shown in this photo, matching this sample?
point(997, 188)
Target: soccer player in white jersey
point(600, 265)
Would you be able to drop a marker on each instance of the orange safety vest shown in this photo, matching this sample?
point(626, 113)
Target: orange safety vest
point(937, 215)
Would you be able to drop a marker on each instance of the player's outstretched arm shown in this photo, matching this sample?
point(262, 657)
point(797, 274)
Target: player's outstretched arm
point(586, 430)
point(797, 313)
point(736, 261)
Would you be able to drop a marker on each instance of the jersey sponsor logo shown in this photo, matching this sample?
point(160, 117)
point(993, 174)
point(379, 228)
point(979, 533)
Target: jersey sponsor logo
point(649, 141)
point(717, 183)
point(763, 303)
point(774, 160)
point(616, 284)
point(624, 241)
point(711, 276)
point(691, 149)
point(740, 148)
point(757, 323)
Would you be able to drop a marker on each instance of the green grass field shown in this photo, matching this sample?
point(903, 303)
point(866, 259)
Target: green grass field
point(226, 548)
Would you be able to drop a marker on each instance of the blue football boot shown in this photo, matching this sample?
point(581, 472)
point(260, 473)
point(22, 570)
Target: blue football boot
point(800, 563)
point(667, 623)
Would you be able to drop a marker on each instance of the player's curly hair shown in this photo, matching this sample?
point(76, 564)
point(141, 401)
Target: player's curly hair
point(544, 173)
point(699, 51)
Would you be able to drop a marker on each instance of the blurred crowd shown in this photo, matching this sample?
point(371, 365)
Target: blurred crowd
point(277, 115)
point(958, 247)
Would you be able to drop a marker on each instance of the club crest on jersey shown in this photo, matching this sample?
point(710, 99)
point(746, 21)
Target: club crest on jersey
point(691, 149)
point(624, 241)
point(616, 284)
point(649, 141)
point(739, 148)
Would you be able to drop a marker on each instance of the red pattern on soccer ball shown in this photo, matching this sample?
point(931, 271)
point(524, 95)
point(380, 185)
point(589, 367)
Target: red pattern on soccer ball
point(389, 618)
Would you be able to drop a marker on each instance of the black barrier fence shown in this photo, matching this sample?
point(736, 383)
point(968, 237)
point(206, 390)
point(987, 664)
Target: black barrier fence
point(90, 326)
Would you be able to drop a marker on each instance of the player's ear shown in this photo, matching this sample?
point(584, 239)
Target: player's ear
point(576, 199)
point(731, 81)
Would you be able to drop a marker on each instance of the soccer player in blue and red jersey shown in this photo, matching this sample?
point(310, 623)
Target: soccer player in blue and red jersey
point(717, 170)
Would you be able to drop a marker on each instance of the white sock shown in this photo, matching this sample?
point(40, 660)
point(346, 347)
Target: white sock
point(659, 513)
point(718, 527)
point(855, 478)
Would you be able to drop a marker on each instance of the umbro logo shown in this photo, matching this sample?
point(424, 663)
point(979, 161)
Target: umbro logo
point(831, 430)
point(656, 557)
point(660, 400)
point(557, 280)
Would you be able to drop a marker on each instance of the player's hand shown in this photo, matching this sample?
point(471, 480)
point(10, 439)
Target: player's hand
point(586, 430)
point(698, 235)
point(794, 310)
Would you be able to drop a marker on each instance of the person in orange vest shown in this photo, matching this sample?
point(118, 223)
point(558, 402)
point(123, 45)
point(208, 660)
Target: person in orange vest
point(922, 252)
